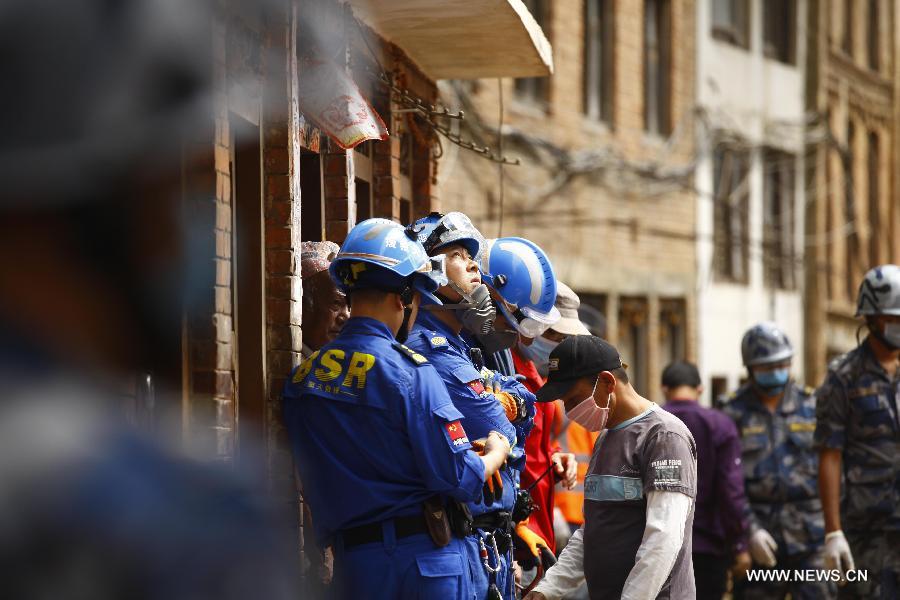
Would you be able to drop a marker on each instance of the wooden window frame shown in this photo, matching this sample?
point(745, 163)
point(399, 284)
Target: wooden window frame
point(731, 199)
point(598, 64)
point(780, 30)
point(779, 219)
point(658, 67)
point(737, 30)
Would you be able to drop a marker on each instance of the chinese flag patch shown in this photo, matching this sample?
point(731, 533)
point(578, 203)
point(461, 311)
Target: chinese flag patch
point(457, 433)
point(477, 387)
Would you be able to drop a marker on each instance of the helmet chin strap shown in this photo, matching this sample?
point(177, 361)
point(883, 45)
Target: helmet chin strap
point(406, 296)
point(465, 304)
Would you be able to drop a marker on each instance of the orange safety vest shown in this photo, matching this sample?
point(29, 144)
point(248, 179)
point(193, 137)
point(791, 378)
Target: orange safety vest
point(579, 441)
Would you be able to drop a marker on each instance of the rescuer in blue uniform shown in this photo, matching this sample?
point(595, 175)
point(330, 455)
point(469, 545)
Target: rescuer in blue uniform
point(488, 401)
point(381, 449)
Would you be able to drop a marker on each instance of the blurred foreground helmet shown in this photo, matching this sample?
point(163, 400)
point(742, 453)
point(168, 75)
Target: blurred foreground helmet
point(381, 254)
point(522, 274)
point(879, 293)
point(765, 344)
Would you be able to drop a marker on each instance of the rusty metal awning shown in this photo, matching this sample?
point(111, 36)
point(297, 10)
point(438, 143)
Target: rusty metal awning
point(462, 39)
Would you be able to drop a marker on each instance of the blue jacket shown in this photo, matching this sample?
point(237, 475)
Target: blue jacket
point(449, 354)
point(374, 432)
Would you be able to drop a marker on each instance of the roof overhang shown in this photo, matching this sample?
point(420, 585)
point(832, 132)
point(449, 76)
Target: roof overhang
point(462, 39)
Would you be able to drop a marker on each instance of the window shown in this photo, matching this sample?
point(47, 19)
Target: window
point(598, 60)
point(731, 197)
point(592, 312)
point(778, 219)
point(873, 37)
point(535, 90)
point(873, 160)
point(847, 42)
point(730, 22)
point(671, 331)
point(852, 244)
point(657, 66)
point(779, 25)
point(362, 168)
point(406, 166)
point(632, 343)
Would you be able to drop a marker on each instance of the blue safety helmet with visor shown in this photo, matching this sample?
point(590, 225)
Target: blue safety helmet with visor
point(521, 273)
point(381, 254)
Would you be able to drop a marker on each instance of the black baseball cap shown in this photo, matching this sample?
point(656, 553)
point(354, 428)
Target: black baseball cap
point(680, 373)
point(575, 357)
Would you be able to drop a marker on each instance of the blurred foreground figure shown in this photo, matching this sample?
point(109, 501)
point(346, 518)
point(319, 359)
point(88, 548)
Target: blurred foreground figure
point(98, 99)
point(858, 436)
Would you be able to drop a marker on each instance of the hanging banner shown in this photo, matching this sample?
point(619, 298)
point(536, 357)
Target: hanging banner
point(332, 100)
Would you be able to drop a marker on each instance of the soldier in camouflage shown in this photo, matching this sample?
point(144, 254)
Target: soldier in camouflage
point(858, 437)
point(776, 420)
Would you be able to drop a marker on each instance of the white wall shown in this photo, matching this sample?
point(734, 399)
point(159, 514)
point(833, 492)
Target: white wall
point(760, 100)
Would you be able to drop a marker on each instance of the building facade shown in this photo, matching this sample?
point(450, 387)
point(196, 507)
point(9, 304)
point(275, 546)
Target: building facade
point(605, 180)
point(260, 176)
point(749, 179)
point(854, 222)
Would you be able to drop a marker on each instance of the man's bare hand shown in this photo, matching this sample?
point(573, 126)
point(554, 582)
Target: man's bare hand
point(566, 467)
point(496, 442)
point(742, 563)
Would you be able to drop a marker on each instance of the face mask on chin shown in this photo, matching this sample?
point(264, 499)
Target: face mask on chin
point(587, 414)
point(539, 353)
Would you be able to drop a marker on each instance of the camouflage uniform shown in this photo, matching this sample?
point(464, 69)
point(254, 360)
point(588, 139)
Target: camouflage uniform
point(781, 482)
point(857, 412)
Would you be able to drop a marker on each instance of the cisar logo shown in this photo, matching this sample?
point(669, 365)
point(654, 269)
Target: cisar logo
point(331, 367)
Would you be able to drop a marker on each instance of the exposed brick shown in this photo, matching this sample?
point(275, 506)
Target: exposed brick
point(203, 382)
point(224, 328)
point(223, 272)
point(278, 212)
point(203, 354)
point(278, 311)
point(223, 158)
point(279, 287)
point(224, 356)
point(336, 209)
point(336, 231)
point(276, 160)
point(279, 262)
point(278, 237)
point(223, 300)
point(386, 186)
point(278, 188)
point(335, 187)
point(280, 362)
point(223, 244)
point(335, 164)
point(224, 384)
point(223, 217)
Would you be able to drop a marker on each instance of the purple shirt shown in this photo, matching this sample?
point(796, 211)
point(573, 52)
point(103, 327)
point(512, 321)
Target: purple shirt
point(719, 522)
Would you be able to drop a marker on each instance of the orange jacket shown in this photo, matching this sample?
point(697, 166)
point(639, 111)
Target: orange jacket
point(579, 441)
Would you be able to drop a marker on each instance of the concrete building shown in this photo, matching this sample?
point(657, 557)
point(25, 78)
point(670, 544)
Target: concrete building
point(853, 220)
point(605, 183)
point(750, 180)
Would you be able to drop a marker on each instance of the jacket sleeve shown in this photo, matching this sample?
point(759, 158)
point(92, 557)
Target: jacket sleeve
point(568, 573)
point(440, 444)
point(667, 514)
point(832, 413)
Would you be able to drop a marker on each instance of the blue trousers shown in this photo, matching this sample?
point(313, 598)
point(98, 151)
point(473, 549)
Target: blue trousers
point(411, 567)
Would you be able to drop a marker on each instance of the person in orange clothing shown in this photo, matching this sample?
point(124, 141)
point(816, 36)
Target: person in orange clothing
point(531, 359)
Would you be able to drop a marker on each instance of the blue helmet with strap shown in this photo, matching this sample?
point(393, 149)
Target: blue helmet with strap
point(523, 276)
point(381, 254)
point(436, 231)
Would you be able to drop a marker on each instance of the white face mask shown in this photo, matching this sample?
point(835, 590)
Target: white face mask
point(587, 414)
point(892, 333)
point(539, 353)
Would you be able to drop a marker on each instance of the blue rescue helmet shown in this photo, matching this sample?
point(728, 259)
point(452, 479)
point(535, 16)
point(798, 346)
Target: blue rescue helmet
point(521, 273)
point(382, 254)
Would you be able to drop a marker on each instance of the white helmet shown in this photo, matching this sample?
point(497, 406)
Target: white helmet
point(879, 293)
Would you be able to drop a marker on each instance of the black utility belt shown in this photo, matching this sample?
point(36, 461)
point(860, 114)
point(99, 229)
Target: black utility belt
point(404, 527)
